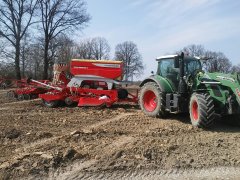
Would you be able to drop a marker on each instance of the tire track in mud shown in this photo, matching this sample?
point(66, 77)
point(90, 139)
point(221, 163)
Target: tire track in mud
point(101, 123)
point(210, 173)
point(75, 171)
point(38, 143)
point(49, 140)
point(21, 102)
point(28, 148)
point(2, 92)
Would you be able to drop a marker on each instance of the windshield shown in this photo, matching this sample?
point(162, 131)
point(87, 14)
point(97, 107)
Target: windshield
point(165, 67)
point(191, 65)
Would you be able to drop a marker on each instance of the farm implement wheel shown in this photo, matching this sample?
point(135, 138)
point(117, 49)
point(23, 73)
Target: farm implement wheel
point(3, 85)
point(27, 97)
point(50, 104)
point(69, 102)
point(151, 100)
point(20, 97)
point(201, 109)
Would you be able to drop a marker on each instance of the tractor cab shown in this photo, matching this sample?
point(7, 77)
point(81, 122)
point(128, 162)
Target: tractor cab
point(169, 67)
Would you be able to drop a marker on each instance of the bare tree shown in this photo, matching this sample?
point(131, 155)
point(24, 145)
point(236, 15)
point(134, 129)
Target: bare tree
point(95, 48)
point(217, 62)
point(194, 50)
point(100, 48)
point(24, 53)
point(15, 18)
point(65, 50)
point(58, 16)
point(129, 54)
point(236, 68)
point(84, 49)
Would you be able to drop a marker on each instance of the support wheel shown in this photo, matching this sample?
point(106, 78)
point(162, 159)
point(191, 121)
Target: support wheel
point(201, 109)
point(69, 101)
point(50, 104)
point(151, 100)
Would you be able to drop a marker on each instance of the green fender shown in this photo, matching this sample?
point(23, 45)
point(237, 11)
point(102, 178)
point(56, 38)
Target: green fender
point(163, 84)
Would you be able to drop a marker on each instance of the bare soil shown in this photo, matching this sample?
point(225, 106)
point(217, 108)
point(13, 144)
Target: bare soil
point(110, 143)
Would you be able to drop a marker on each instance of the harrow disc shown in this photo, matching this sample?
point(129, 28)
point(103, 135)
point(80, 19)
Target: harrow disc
point(68, 101)
point(50, 104)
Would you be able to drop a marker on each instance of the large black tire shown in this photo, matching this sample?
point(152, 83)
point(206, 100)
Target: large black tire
point(201, 110)
point(50, 104)
point(152, 101)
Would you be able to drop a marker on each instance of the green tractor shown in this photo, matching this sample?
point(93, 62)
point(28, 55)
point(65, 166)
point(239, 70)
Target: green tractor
point(180, 85)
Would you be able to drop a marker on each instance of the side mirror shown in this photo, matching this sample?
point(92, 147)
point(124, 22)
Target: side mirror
point(176, 63)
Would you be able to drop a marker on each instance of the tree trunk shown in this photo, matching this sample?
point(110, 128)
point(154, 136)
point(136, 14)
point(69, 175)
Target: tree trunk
point(17, 60)
point(23, 62)
point(46, 63)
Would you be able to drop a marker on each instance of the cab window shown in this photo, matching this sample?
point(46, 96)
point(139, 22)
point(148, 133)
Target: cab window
point(165, 66)
point(191, 65)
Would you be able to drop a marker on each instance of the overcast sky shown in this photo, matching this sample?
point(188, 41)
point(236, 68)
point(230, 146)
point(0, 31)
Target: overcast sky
point(161, 27)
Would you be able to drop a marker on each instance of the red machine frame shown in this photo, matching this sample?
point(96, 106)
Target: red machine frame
point(100, 87)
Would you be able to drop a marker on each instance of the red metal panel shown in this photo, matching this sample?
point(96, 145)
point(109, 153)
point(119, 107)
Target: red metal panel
point(107, 69)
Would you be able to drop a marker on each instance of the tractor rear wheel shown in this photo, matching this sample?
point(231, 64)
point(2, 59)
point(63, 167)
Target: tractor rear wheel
point(50, 104)
point(201, 110)
point(151, 101)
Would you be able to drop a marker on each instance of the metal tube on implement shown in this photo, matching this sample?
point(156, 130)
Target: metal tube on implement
point(47, 85)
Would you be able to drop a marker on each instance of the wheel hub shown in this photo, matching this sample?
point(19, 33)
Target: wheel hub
point(149, 99)
point(195, 110)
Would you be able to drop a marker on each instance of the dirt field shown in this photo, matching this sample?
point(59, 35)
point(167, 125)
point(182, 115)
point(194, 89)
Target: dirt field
point(116, 143)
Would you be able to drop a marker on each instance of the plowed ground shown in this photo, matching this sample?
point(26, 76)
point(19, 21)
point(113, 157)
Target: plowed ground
point(110, 143)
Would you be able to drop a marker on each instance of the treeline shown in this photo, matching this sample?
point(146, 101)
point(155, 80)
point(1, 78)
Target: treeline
point(35, 34)
point(23, 22)
point(215, 61)
point(62, 49)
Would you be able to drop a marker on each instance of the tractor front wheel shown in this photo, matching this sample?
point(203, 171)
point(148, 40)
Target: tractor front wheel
point(151, 101)
point(201, 110)
point(50, 104)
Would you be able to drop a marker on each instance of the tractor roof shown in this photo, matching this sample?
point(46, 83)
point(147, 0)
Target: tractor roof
point(166, 57)
point(175, 55)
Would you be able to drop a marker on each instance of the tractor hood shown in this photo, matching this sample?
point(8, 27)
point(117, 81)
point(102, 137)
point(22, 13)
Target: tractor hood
point(229, 80)
point(224, 79)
